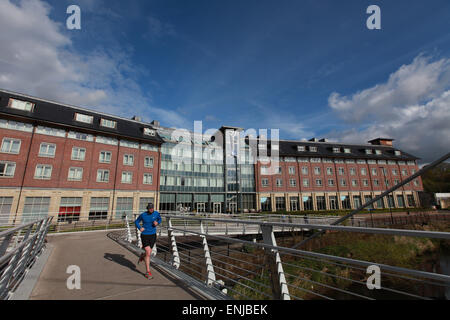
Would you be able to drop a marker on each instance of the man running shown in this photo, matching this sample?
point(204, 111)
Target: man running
point(150, 220)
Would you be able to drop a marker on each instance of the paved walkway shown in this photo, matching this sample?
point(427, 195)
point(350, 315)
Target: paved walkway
point(108, 271)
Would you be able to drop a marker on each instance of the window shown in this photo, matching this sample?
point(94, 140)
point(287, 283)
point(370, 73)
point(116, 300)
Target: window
point(148, 178)
point(329, 171)
point(363, 171)
point(18, 126)
point(5, 209)
point(293, 182)
point(128, 159)
point(365, 183)
point(280, 203)
point(78, 154)
point(300, 148)
point(313, 149)
point(345, 201)
point(291, 170)
point(321, 205)
point(371, 161)
point(69, 209)
point(108, 123)
point(279, 182)
point(352, 171)
point(127, 177)
point(43, 172)
point(396, 182)
point(305, 170)
point(265, 182)
point(416, 183)
point(347, 150)
point(51, 132)
point(21, 105)
point(331, 182)
point(397, 153)
point(411, 202)
point(84, 118)
point(266, 204)
point(7, 169)
point(341, 171)
point(144, 201)
point(357, 201)
point(294, 204)
point(99, 208)
point(264, 170)
point(105, 157)
point(354, 183)
point(148, 162)
point(307, 203)
point(333, 202)
point(369, 151)
point(361, 161)
point(306, 182)
point(317, 170)
point(386, 182)
point(149, 132)
point(35, 208)
point(327, 160)
point(411, 163)
point(102, 175)
point(377, 152)
point(404, 172)
point(374, 171)
point(343, 182)
point(75, 174)
point(10, 145)
point(336, 150)
point(315, 160)
point(376, 182)
point(391, 203)
point(319, 182)
point(368, 199)
point(47, 150)
point(105, 140)
point(129, 144)
point(80, 136)
point(400, 201)
point(124, 208)
point(279, 170)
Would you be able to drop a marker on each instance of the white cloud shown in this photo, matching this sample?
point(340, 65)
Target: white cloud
point(37, 58)
point(412, 106)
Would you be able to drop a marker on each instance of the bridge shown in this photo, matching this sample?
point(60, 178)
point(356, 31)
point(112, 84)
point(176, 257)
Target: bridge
point(208, 257)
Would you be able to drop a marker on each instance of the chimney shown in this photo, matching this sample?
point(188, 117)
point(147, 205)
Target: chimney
point(313, 140)
point(136, 118)
point(155, 123)
point(323, 140)
point(381, 142)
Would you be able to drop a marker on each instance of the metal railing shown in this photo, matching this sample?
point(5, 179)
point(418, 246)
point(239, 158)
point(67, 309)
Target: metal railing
point(19, 247)
point(255, 266)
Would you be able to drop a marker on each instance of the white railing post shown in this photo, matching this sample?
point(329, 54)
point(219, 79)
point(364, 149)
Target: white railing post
point(279, 284)
point(210, 274)
point(173, 244)
point(128, 229)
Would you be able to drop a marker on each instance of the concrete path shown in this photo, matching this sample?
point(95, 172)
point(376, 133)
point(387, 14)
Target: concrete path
point(108, 271)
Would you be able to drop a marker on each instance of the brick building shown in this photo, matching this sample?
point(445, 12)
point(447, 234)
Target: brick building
point(75, 163)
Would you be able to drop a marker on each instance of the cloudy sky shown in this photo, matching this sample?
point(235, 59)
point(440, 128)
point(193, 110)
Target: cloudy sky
point(310, 68)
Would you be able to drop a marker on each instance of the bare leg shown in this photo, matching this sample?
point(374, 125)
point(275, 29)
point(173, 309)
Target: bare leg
point(148, 251)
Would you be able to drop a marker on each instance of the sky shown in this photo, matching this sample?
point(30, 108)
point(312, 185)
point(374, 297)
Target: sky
point(310, 68)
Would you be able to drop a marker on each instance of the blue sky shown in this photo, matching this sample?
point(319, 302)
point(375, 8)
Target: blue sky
point(308, 68)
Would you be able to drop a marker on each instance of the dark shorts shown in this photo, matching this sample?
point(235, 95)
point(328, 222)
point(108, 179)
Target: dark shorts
point(148, 240)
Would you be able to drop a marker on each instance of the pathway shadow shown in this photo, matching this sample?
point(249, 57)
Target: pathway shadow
point(120, 259)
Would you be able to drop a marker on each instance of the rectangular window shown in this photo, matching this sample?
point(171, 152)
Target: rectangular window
point(127, 177)
point(105, 140)
point(7, 169)
point(363, 171)
point(128, 160)
point(148, 178)
point(108, 123)
point(69, 209)
point(43, 172)
point(291, 170)
point(80, 136)
point(354, 183)
point(357, 201)
point(331, 182)
point(10, 145)
point(84, 118)
point(411, 202)
point(102, 175)
point(35, 208)
point(279, 182)
point(352, 171)
point(292, 182)
point(105, 157)
point(376, 182)
point(365, 183)
point(149, 132)
point(144, 201)
point(400, 201)
point(148, 162)
point(319, 182)
point(300, 148)
point(304, 170)
point(51, 132)
point(99, 208)
point(78, 154)
point(280, 204)
point(336, 150)
point(333, 202)
point(75, 174)
point(367, 199)
point(5, 209)
point(317, 170)
point(341, 171)
point(18, 126)
point(294, 204)
point(124, 208)
point(47, 150)
point(377, 152)
point(343, 182)
point(347, 150)
point(306, 182)
point(345, 201)
point(21, 105)
point(329, 171)
point(369, 151)
point(313, 149)
point(320, 201)
point(307, 203)
point(374, 171)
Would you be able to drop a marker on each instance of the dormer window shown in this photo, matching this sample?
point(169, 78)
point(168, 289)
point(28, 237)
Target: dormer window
point(336, 150)
point(313, 149)
point(369, 151)
point(108, 123)
point(21, 105)
point(378, 152)
point(149, 132)
point(300, 148)
point(347, 150)
point(84, 118)
point(397, 153)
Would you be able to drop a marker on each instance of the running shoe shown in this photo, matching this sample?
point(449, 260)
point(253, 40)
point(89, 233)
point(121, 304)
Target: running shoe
point(149, 275)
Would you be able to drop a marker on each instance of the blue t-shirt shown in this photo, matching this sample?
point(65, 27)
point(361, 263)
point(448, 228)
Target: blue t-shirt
point(147, 221)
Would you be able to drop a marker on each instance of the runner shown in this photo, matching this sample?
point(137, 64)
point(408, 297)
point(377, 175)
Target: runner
point(150, 220)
